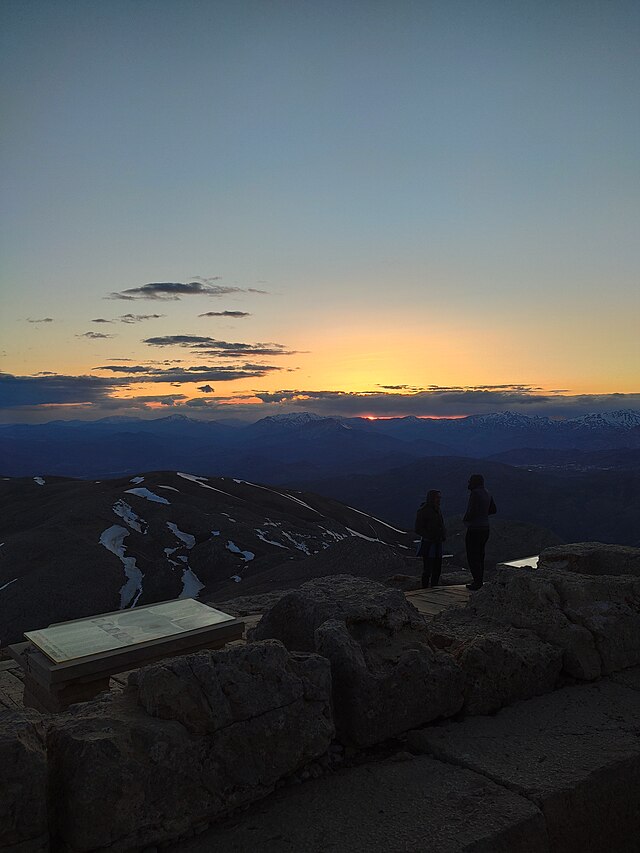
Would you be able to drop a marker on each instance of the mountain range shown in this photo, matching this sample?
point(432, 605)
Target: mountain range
point(277, 448)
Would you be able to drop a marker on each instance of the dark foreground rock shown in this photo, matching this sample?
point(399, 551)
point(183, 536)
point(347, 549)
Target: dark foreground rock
point(501, 664)
point(23, 790)
point(409, 806)
point(593, 620)
point(221, 729)
point(386, 676)
point(574, 753)
point(592, 558)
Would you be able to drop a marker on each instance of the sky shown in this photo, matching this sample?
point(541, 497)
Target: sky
point(383, 208)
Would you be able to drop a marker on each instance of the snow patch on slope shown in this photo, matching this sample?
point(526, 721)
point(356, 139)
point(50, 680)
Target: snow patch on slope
point(113, 540)
point(127, 514)
point(281, 494)
point(150, 496)
point(246, 555)
point(297, 543)
point(191, 584)
point(187, 538)
point(199, 481)
point(262, 535)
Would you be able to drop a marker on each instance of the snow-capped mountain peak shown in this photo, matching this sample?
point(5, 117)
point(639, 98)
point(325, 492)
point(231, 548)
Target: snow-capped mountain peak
point(619, 419)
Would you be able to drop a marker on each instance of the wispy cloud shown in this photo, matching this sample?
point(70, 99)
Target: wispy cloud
point(40, 320)
point(175, 290)
point(138, 318)
point(234, 314)
point(226, 349)
point(206, 389)
point(101, 320)
point(94, 336)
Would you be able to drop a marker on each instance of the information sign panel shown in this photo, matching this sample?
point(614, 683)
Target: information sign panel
point(124, 628)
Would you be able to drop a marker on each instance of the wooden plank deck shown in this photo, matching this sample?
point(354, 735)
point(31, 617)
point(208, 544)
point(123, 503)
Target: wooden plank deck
point(430, 602)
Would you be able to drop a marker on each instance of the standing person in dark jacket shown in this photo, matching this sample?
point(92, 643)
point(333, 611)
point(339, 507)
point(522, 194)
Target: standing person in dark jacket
point(430, 525)
point(481, 505)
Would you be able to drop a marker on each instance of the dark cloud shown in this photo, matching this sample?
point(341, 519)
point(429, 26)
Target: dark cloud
point(39, 390)
point(206, 389)
point(101, 320)
point(163, 399)
point(400, 388)
point(199, 373)
point(43, 320)
point(224, 349)
point(138, 318)
point(234, 314)
point(116, 368)
point(447, 402)
point(94, 336)
point(174, 290)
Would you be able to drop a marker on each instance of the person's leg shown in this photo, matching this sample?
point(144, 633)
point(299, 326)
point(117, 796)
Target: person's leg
point(436, 568)
point(426, 569)
point(472, 558)
point(483, 536)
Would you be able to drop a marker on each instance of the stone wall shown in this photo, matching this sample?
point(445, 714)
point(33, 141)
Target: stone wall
point(340, 663)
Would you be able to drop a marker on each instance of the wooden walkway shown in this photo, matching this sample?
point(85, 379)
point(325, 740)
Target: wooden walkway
point(430, 602)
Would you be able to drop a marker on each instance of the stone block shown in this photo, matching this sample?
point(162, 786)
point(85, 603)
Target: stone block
point(408, 806)
point(574, 753)
point(199, 737)
point(386, 676)
point(384, 685)
point(594, 620)
point(501, 664)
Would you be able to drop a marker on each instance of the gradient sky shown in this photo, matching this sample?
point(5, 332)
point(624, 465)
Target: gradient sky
point(425, 208)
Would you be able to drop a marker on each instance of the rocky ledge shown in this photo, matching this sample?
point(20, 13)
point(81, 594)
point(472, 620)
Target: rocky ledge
point(345, 667)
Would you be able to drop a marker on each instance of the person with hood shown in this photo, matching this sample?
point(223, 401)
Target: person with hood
point(481, 505)
point(430, 526)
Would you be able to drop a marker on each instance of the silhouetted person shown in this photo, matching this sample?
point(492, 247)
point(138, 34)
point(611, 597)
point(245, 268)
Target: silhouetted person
point(430, 525)
point(481, 505)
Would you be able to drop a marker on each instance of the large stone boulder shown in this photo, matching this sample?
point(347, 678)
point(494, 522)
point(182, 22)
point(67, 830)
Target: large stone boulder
point(200, 736)
point(501, 664)
point(387, 678)
point(23, 783)
point(294, 619)
point(594, 620)
point(592, 558)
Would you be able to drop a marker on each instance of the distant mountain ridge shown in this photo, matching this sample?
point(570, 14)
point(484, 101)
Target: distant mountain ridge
point(303, 444)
